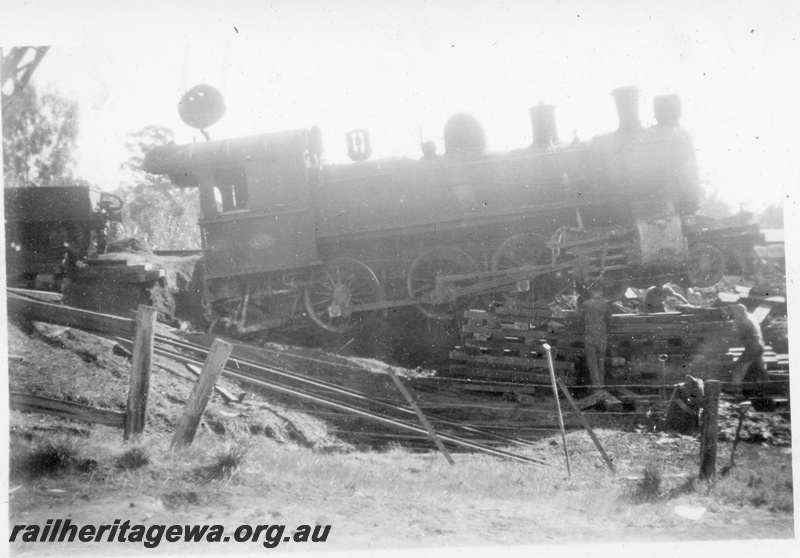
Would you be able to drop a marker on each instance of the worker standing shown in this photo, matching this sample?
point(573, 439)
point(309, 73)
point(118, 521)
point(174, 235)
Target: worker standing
point(596, 315)
point(748, 331)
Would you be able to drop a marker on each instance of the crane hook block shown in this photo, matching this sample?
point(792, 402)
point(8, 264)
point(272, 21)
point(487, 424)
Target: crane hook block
point(201, 106)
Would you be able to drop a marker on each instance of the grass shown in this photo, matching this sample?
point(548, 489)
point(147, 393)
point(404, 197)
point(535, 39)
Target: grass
point(422, 489)
point(133, 458)
point(50, 458)
point(257, 462)
point(758, 481)
point(412, 487)
point(226, 462)
point(649, 488)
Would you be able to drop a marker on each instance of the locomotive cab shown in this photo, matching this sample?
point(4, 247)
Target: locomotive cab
point(256, 199)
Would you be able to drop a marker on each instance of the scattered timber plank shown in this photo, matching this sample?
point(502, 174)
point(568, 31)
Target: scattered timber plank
point(120, 350)
point(532, 363)
point(597, 397)
point(697, 315)
point(67, 316)
point(49, 330)
point(119, 274)
point(532, 334)
point(508, 348)
point(762, 311)
point(499, 389)
point(676, 329)
point(65, 409)
point(44, 296)
point(478, 373)
point(627, 396)
point(107, 263)
point(535, 312)
point(228, 396)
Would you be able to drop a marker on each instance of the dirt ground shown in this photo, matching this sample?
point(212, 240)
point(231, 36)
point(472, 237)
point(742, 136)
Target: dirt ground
point(360, 521)
point(368, 517)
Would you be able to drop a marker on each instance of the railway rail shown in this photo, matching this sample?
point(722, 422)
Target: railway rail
point(249, 372)
point(396, 421)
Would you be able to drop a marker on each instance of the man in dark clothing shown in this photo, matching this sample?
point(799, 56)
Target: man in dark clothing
point(655, 298)
point(748, 331)
point(595, 334)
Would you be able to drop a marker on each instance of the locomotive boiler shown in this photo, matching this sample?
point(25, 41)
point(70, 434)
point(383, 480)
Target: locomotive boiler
point(288, 237)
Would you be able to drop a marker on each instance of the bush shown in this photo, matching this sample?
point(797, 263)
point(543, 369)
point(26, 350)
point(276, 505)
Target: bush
point(50, 458)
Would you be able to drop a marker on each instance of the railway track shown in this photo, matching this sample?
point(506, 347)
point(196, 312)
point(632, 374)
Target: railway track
point(344, 400)
point(390, 421)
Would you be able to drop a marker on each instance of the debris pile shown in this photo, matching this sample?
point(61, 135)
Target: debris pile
point(757, 428)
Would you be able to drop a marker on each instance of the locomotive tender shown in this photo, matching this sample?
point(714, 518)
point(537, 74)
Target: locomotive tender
point(286, 235)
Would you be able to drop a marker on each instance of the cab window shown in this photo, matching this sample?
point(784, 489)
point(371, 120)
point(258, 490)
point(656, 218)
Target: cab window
point(230, 189)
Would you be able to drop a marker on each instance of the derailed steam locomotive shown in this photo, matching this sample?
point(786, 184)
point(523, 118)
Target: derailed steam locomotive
point(287, 236)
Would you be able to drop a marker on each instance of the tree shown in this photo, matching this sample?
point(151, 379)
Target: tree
point(158, 214)
point(39, 134)
point(714, 206)
point(771, 217)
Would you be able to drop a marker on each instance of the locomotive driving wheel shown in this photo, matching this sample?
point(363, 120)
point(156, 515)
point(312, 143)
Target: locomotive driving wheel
point(335, 288)
point(706, 265)
point(422, 275)
point(522, 250)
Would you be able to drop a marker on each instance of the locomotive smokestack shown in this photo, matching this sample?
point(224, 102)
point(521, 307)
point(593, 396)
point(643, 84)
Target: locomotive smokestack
point(543, 122)
point(627, 100)
point(667, 109)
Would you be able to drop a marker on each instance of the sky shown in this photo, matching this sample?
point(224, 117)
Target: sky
point(400, 69)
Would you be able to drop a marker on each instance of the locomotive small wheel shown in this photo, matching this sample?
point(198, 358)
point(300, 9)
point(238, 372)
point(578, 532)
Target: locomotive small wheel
point(527, 249)
point(706, 265)
point(335, 289)
point(422, 275)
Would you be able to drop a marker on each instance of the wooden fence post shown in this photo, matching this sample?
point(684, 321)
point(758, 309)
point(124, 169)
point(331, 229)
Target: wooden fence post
point(558, 405)
point(193, 410)
point(421, 417)
point(586, 425)
point(142, 363)
point(710, 428)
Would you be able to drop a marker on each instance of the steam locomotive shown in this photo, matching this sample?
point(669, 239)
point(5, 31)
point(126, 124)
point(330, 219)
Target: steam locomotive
point(287, 236)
